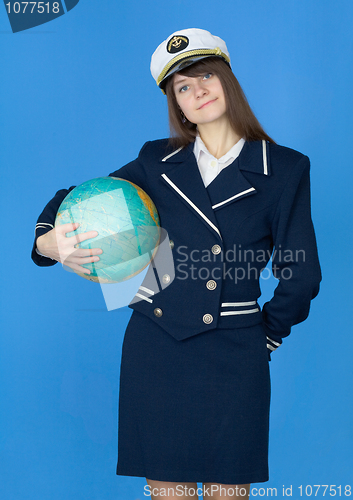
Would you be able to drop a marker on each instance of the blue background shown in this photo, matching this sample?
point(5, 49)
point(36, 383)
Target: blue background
point(77, 101)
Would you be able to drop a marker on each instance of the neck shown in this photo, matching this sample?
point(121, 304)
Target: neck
point(218, 137)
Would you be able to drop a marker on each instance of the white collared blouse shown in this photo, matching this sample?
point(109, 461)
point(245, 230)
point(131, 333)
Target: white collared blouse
point(210, 166)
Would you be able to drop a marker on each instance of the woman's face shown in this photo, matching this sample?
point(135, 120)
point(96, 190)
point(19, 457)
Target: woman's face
point(200, 98)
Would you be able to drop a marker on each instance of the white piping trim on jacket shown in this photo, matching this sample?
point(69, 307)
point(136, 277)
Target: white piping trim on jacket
point(147, 290)
point(172, 154)
point(233, 197)
point(264, 155)
point(42, 225)
point(192, 204)
point(143, 297)
point(271, 347)
point(273, 341)
point(246, 311)
point(238, 304)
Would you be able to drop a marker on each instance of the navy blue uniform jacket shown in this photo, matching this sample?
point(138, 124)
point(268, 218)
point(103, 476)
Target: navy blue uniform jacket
point(222, 237)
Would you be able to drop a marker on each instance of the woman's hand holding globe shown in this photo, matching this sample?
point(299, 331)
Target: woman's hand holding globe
point(56, 245)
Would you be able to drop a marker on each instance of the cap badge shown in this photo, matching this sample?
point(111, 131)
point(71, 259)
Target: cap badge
point(177, 43)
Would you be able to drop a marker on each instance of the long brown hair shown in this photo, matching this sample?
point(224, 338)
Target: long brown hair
point(240, 115)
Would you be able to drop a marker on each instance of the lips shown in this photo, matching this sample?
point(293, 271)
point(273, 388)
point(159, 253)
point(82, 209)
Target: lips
point(207, 103)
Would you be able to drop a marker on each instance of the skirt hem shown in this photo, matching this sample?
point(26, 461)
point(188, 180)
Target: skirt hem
point(259, 476)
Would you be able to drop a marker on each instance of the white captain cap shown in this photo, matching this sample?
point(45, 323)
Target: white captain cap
point(184, 48)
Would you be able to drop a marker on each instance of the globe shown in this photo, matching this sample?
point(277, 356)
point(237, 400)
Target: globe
point(127, 223)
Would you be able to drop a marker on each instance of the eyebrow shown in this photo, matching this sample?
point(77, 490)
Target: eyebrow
point(176, 82)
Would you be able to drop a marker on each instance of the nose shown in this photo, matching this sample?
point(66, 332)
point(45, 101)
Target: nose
point(199, 90)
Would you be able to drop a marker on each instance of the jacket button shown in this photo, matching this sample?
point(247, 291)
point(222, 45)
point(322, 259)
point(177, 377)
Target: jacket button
point(207, 318)
point(158, 312)
point(211, 284)
point(171, 243)
point(216, 249)
point(166, 278)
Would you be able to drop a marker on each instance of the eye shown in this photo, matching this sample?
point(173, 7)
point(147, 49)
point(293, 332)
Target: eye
point(184, 88)
point(207, 76)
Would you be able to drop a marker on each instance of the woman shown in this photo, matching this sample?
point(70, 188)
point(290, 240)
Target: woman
point(195, 386)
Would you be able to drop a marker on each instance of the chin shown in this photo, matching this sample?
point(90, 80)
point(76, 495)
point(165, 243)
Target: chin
point(210, 119)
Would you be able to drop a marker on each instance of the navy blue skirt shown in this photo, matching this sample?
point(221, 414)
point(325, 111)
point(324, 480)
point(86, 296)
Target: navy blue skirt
point(195, 410)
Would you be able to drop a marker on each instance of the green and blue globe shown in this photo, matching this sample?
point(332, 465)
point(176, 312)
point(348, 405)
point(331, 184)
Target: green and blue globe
point(127, 223)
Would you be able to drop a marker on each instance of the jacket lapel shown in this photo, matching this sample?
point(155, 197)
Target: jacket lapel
point(255, 158)
point(230, 185)
point(182, 176)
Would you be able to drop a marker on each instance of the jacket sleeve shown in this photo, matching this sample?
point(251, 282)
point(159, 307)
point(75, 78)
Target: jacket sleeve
point(132, 172)
point(45, 223)
point(295, 261)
